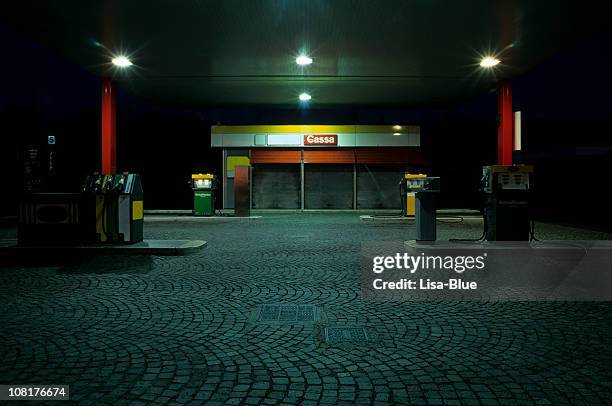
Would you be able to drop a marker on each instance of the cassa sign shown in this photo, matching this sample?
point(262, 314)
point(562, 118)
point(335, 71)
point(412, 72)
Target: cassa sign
point(321, 139)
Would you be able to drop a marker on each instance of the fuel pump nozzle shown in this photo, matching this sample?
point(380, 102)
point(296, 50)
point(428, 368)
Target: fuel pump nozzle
point(97, 183)
point(119, 184)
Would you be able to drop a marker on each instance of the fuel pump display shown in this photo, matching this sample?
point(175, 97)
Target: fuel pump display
point(117, 207)
point(204, 187)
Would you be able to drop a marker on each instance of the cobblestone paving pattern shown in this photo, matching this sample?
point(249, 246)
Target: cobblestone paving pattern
point(181, 330)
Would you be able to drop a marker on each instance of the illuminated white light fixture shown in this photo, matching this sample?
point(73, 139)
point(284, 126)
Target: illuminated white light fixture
point(489, 62)
point(397, 127)
point(121, 61)
point(305, 97)
point(303, 60)
point(397, 133)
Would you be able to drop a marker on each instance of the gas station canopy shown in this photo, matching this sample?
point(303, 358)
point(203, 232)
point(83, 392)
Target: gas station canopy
point(233, 52)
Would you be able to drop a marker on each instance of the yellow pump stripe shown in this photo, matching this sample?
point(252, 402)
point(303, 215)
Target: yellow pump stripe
point(137, 210)
point(410, 204)
point(100, 218)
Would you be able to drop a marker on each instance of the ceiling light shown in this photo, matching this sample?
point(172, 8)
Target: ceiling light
point(303, 60)
point(121, 61)
point(397, 133)
point(397, 127)
point(489, 61)
point(305, 97)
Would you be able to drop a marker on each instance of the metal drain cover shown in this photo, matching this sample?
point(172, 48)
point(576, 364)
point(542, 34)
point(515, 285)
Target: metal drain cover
point(288, 313)
point(345, 334)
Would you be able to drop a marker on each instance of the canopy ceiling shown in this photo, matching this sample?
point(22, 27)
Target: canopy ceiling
point(366, 52)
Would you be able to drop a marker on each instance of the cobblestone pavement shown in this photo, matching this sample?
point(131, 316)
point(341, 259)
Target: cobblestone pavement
point(135, 330)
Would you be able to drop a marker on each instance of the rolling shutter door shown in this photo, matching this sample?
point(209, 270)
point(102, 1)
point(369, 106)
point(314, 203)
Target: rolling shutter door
point(328, 186)
point(276, 186)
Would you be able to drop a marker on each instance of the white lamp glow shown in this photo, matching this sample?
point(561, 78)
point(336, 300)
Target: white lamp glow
point(303, 60)
point(121, 61)
point(489, 62)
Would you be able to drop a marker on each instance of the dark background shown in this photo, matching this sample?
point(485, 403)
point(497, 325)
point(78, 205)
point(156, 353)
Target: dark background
point(565, 103)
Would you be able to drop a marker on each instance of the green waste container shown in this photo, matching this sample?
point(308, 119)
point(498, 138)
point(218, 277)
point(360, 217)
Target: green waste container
point(203, 186)
point(203, 204)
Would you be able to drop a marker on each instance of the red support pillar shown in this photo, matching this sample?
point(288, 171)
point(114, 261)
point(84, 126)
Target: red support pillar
point(109, 134)
point(504, 131)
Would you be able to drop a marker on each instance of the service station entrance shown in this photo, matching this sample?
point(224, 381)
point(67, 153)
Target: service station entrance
point(304, 167)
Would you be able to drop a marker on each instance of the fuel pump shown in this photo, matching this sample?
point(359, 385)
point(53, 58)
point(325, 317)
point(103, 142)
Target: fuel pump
point(506, 190)
point(117, 207)
point(204, 189)
point(407, 193)
point(425, 190)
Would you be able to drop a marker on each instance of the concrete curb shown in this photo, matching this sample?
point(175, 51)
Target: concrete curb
point(212, 219)
point(146, 247)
